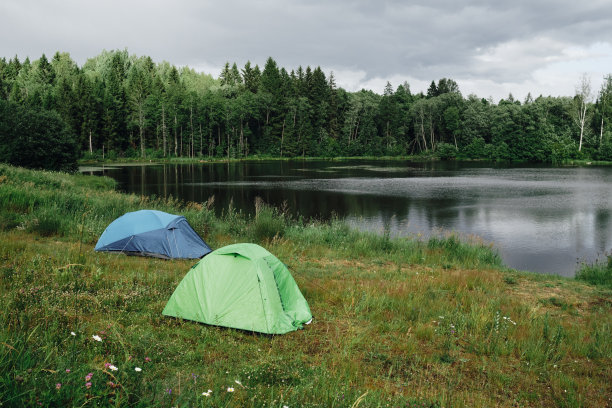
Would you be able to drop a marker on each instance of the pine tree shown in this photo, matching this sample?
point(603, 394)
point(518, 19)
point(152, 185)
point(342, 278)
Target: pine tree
point(235, 75)
point(251, 77)
point(432, 91)
point(332, 119)
point(387, 111)
point(115, 105)
point(176, 98)
point(139, 90)
point(226, 76)
point(270, 78)
point(45, 71)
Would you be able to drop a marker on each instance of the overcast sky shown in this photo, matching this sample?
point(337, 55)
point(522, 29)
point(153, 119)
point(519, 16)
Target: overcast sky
point(491, 48)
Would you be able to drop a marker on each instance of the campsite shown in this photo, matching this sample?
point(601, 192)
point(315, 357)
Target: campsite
point(396, 322)
point(305, 204)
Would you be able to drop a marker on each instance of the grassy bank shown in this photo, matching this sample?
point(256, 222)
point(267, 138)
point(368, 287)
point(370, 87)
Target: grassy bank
point(398, 322)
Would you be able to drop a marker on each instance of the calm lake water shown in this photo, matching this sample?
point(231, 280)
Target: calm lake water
point(542, 219)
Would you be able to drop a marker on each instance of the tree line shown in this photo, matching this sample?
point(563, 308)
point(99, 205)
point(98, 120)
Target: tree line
point(121, 105)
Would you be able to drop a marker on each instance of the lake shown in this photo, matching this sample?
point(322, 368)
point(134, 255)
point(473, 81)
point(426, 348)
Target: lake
point(540, 218)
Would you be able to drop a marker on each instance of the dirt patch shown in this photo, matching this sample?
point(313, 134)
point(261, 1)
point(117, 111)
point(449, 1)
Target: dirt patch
point(549, 297)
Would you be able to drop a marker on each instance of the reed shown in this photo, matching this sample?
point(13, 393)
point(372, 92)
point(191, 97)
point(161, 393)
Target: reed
point(597, 273)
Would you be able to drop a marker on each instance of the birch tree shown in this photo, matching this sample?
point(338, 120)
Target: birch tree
point(582, 99)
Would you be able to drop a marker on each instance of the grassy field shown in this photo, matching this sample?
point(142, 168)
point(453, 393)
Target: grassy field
point(397, 322)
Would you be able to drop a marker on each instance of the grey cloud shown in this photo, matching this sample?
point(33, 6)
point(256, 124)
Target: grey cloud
point(419, 39)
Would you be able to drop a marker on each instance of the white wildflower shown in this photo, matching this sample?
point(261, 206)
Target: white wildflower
point(230, 389)
point(72, 333)
point(96, 337)
point(138, 369)
point(112, 367)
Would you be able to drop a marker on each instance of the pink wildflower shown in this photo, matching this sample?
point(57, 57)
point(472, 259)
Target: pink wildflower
point(67, 370)
point(58, 386)
point(88, 377)
point(88, 384)
point(147, 359)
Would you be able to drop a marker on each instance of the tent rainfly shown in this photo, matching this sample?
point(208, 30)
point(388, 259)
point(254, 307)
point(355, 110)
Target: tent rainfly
point(241, 286)
point(152, 233)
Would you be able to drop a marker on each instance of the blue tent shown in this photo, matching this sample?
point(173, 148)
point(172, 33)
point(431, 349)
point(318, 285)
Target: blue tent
point(152, 233)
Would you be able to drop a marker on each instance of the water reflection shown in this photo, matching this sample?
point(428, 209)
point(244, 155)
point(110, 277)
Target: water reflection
point(542, 219)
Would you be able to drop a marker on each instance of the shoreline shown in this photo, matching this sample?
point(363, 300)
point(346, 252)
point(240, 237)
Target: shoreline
point(418, 159)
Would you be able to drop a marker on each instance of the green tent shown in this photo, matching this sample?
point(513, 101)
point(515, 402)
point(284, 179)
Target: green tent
point(241, 286)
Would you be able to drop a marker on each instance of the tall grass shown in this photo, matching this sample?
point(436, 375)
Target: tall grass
point(398, 322)
point(598, 273)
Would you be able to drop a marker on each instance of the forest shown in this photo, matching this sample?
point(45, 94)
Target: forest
point(117, 105)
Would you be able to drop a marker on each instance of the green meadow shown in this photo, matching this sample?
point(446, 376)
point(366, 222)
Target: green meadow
point(398, 322)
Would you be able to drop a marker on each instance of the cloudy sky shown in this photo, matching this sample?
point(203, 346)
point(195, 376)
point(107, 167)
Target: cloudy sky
point(491, 48)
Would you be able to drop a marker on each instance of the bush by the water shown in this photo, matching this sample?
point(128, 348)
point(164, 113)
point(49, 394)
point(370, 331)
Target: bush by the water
point(598, 273)
point(35, 138)
point(446, 151)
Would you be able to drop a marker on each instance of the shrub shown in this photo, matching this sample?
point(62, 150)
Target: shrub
point(605, 151)
point(446, 151)
point(37, 139)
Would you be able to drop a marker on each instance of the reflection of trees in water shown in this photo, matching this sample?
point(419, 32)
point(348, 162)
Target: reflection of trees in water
point(197, 182)
point(428, 204)
point(530, 213)
point(603, 234)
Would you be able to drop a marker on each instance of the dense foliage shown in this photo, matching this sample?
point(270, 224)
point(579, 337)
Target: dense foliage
point(122, 105)
point(35, 138)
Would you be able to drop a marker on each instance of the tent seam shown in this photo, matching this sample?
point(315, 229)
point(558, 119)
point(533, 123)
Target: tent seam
point(126, 244)
point(263, 305)
point(178, 251)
